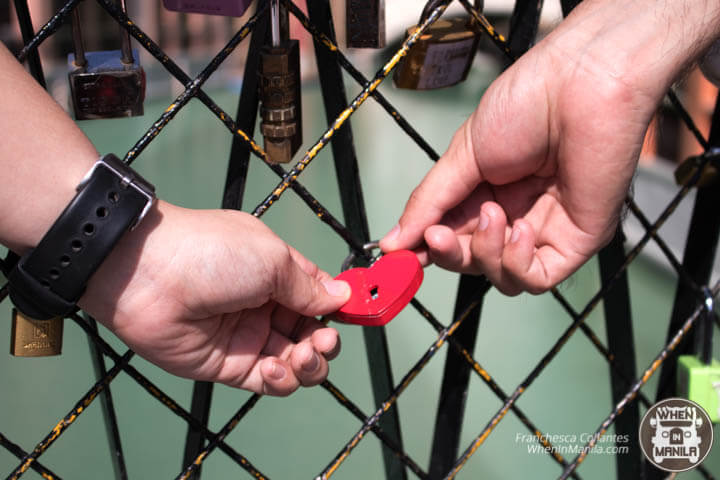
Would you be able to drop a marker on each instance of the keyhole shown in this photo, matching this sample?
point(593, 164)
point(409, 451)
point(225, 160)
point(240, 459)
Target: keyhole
point(374, 293)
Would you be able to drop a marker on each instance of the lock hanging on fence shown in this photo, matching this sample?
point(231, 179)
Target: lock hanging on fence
point(226, 8)
point(35, 338)
point(698, 376)
point(105, 84)
point(279, 86)
point(442, 56)
point(365, 23)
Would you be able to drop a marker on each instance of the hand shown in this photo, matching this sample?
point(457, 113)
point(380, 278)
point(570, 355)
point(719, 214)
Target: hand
point(215, 295)
point(533, 183)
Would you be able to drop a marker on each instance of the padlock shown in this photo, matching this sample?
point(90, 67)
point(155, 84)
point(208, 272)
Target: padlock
point(380, 292)
point(35, 338)
point(365, 23)
point(710, 64)
point(700, 383)
point(226, 8)
point(105, 84)
point(443, 54)
point(687, 170)
point(279, 86)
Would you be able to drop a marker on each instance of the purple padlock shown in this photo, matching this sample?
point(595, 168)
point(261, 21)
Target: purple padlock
point(227, 8)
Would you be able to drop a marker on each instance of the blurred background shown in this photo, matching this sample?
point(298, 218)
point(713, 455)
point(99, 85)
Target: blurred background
point(297, 437)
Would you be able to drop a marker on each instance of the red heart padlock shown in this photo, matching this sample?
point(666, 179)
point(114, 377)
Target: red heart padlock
point(381, 291)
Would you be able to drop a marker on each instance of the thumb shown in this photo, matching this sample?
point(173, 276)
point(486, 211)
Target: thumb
point(448, 183)
point(304, 288)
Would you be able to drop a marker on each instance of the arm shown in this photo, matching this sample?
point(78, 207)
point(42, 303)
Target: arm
point(533, 182)
point(210, 295)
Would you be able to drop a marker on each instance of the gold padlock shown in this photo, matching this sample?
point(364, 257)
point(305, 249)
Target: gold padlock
point(35, 338)
point(687, 170)
point(441, 57)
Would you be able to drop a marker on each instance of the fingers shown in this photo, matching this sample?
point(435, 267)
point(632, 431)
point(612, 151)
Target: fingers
point(302, 287)
point(451, 180)
point(302, 364)
point(509, 255)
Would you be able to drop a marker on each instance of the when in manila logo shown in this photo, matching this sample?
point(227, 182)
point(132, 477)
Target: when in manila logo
point(676, 434)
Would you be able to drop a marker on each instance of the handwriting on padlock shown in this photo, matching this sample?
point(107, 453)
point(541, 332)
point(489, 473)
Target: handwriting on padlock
point(380, 292)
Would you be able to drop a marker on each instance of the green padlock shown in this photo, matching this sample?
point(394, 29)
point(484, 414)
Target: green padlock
point(700, 383)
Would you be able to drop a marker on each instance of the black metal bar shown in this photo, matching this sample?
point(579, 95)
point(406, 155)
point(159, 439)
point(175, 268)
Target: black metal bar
point(155, 392)
point(330, 45)
point(568, 5)
point(698, 261)
point(194, 439)
point(353, 204)
point(524, 24)
point(108, 407)
point(26, 29)
point(246, 119)
point(456, 378)
point(660, 359)
point(621, 347)
point(232, 199)
point(70, 418)
point(16, 450)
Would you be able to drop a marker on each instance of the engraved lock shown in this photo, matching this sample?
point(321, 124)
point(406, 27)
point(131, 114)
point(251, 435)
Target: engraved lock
point(700, 383)
point(365, 23)
point(280, 90)
point(105, 84)
point(35, 338)
point(442, 56)
point(227, 8)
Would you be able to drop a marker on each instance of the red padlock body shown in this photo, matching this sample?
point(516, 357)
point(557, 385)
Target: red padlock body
point(380, 292)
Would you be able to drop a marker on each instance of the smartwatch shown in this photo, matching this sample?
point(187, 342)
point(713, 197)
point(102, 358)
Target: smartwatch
point(48, 280)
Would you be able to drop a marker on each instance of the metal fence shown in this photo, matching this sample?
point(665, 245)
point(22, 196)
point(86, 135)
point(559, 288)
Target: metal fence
point(692, 306)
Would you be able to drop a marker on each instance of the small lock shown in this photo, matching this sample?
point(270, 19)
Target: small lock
point(105, 84)
point(441, 57)
point(226, 8)
point(35, 338)
point(279, 86)
point(687, 170)
point(365, 23)
point(700, 383)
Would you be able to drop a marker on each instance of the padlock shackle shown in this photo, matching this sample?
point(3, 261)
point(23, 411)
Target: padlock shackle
point(433, 4)
point(275, 22)
point(78, 47)
point(125, 47)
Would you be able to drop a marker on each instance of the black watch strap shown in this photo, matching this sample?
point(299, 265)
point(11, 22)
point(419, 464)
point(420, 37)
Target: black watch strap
point(48, 280)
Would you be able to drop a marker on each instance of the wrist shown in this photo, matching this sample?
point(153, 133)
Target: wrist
point(50, 278)
point(643, 44)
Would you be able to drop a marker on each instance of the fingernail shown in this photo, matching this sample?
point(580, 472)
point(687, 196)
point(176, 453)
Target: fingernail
point(515, 236)
point(337, 288)
point(484, 221)
point(312, 363)
point(278, 371)
point(393, 234)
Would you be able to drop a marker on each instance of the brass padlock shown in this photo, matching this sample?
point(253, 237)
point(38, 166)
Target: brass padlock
point(687, 170)
point(280, 91)
point(35, 338)
point(105, 84)
point(442, 56)
point(365, 23)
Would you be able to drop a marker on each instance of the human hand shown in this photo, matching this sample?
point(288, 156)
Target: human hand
point(215, 295)
point(533, 183)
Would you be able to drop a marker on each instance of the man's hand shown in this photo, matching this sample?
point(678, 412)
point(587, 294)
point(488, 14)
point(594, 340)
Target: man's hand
point(215, 295)
point(533, 183)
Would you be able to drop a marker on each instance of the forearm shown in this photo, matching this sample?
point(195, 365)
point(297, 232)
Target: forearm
point(644, 44)
point(43, 156)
